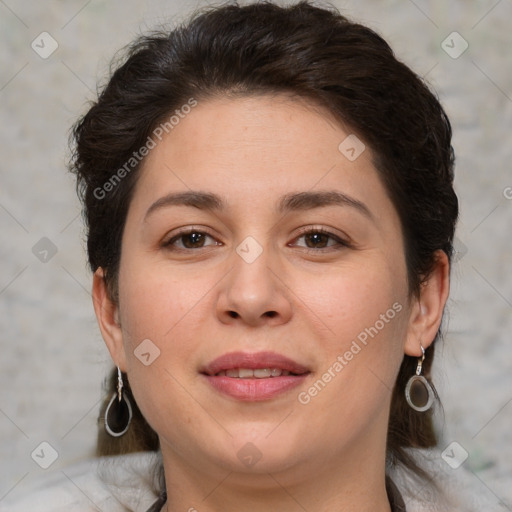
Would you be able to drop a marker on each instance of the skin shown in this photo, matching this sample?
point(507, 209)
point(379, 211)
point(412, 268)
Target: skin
point(196, 304)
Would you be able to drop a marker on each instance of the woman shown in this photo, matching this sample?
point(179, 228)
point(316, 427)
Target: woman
point(269, 200)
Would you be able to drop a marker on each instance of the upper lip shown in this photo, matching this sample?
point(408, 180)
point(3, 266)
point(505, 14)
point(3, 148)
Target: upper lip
point(253, 361)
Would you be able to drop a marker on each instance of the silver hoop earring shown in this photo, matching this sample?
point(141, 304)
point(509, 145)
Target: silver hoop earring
point(419, 393)
point(118, 414)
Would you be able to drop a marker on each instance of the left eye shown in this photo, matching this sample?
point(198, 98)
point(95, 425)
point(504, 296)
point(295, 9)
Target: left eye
point(320, 239)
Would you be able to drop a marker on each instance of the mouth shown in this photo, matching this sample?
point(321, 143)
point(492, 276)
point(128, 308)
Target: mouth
point(254, 377)
point(259, 365)
point(257, 373)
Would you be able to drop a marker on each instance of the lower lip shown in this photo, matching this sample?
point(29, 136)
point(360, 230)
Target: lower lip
point(253, 390)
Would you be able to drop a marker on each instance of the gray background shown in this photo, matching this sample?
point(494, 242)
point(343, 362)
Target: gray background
point(53, 359)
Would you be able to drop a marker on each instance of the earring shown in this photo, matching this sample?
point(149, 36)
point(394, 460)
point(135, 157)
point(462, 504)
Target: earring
point(419, 393)
point(118, 414)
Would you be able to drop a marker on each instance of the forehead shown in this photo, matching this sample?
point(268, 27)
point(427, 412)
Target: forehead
point(278, 122)
point(258, 139)
point(254, 151)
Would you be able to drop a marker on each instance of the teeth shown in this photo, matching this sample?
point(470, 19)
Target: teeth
point(258, 373)
point(261, 374)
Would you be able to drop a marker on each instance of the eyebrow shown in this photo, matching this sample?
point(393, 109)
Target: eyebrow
point(289, 202)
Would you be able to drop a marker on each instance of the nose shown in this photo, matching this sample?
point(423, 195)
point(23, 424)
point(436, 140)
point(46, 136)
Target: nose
point(254, 293)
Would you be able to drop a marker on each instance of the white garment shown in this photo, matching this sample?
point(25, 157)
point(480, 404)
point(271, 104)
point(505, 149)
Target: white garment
point(121, 484)
point(460, 489)
point(106, 484)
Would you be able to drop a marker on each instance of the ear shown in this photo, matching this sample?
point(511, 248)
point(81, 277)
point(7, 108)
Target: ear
point(427, 310)
point(107, 314)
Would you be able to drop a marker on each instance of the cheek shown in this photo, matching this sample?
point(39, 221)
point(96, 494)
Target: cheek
point(363, 314)
point(362, 309)
point(157, 302)
point(161, 322)
point(351, 299)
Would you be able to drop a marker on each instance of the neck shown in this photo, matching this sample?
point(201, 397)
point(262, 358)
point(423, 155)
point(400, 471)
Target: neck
point(350, 480)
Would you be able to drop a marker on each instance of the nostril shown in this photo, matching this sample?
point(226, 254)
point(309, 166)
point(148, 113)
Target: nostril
point(270, 314)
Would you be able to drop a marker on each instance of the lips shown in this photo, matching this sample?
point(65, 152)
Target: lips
point(258, 361)
point(254, 377)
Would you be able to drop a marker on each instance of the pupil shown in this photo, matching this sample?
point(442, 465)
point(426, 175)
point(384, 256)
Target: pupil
point(194, 238)
point(317, 239)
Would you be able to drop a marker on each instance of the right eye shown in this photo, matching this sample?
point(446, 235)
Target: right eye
point(189, 239)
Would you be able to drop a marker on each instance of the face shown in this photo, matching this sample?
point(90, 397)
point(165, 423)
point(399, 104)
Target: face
point(285, 257)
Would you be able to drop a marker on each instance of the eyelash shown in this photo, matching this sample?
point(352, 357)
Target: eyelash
point(341, 244)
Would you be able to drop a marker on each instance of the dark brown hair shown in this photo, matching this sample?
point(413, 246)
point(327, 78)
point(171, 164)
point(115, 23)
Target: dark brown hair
point(310, 52)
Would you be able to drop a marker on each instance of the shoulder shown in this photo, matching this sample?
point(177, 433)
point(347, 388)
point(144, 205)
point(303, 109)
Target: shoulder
point(117, 484)
point(456, 489)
